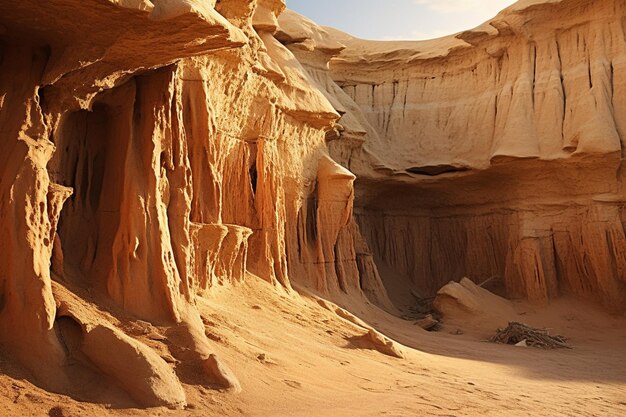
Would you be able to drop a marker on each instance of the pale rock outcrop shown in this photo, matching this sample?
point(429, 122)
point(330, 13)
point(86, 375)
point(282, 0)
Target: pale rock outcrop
point(372, 339)
point(137, 368)
point(222, 374)
point(496, 152)
point(93, 344)
point(382, 344)
point(465, 301)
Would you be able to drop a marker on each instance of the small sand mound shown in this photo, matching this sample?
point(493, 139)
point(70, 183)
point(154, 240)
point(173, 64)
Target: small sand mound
point(465, 302)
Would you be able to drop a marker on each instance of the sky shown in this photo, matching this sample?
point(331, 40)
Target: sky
point(399, 19)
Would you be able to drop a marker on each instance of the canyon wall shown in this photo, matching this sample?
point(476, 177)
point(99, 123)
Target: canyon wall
point(495, 153)
point(152, 150)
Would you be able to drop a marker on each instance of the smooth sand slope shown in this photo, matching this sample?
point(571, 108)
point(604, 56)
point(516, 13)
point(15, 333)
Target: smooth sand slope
point(303, 360)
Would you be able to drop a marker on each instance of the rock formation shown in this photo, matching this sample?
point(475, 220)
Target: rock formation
point(496, 152)
point(153, 150)
point(465, 301)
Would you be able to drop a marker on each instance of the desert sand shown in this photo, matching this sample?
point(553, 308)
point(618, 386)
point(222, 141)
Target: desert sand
point(222, 208)
point(295, 358)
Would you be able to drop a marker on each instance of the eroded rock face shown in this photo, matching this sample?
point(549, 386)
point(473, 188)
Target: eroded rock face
point(152, 150)
point(494, 153)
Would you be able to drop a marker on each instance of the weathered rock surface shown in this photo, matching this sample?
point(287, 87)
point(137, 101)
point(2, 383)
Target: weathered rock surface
point(152, 151)
point(382, 344)
point(465, 300)
point(496, 152)
point(222, 374)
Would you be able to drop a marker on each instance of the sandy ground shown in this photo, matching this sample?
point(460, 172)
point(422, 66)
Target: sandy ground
point(295, 358)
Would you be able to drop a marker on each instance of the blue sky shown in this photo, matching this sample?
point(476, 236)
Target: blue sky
point(399, 19)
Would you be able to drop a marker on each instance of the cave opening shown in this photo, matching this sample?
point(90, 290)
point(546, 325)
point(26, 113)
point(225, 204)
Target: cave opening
point(505, 228)
point(84, 142)
point(424, 235)
point(70, 334)
point(253, 174)
point(311, 216)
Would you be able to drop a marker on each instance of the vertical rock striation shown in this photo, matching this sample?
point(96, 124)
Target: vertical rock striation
point(496, 152)
point(153, 150)
point(150, 151)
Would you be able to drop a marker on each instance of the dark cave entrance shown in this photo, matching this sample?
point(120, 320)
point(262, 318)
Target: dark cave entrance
point(86, 144)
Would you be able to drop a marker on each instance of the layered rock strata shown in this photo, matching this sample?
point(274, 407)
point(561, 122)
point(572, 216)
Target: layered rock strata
point(496, 152)
point(152, 151)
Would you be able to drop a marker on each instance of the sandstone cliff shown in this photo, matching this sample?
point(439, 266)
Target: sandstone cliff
point(154, 151)
point(496, 152)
